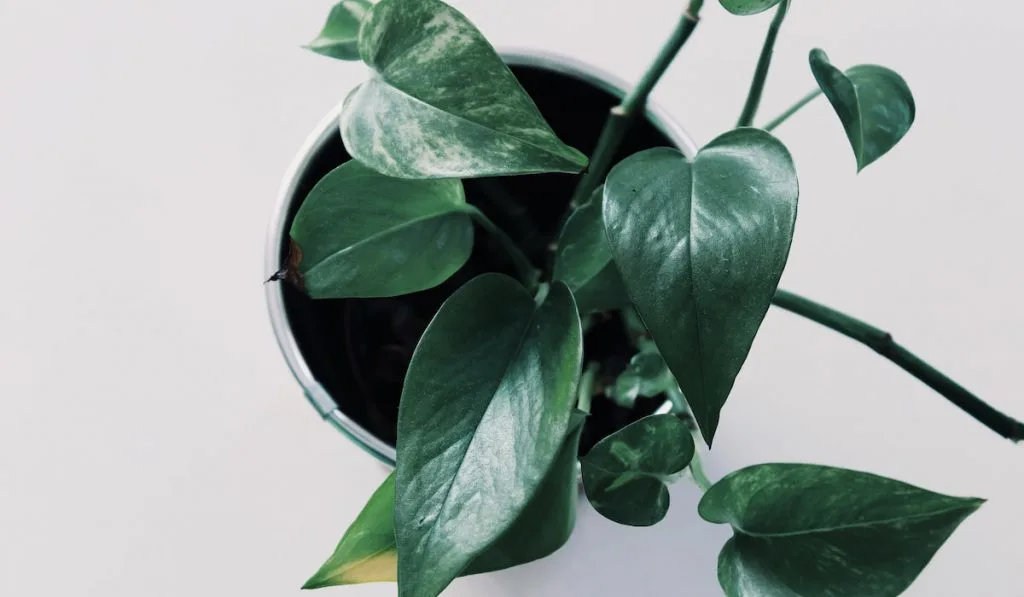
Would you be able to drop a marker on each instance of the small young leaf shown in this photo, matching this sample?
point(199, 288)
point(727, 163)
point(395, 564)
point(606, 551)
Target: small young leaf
point(363, 234)
point(814, 531)
point(340, 36)
point(483, 414)
point(874, 104)
point(441, 103)
point(716, 236)
point(624, 474)
point(647, 375)
point(367, 552)
point(584, 260)
point(748, 7)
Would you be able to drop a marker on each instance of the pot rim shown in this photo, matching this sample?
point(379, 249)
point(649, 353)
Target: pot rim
point(315, 393)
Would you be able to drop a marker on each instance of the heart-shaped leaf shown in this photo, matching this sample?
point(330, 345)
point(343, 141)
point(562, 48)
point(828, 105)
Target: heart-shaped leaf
point(368, 553)
point(584, 260)
point(395, 236)
point(748, 7)
point(716, 236)
point(873, 102)
point(625, 473)
point(441, 103)
point(646, 375)
point(340, 36)
point(485, 408)
point(814, 531)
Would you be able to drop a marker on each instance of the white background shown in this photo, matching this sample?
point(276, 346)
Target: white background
point(152, 441)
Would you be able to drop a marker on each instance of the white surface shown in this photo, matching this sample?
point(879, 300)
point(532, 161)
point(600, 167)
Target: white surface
point(152, 441)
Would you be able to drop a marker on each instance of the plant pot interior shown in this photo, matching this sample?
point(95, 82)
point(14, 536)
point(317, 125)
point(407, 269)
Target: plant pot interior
point(359, 349)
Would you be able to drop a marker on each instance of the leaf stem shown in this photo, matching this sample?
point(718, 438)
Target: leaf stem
point(529, 274)
point(675, 396)
point(700, 478)
point(882, 342)
point(770, 126)
point(763, 64)
point(622, 116)
point(588, 382)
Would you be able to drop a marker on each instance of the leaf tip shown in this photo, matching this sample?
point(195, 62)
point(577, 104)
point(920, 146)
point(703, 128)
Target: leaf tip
point(317, 581)
point(578, 159)
point(974, 503)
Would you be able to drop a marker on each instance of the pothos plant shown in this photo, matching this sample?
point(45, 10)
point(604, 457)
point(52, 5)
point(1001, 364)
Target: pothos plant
point(687, 250)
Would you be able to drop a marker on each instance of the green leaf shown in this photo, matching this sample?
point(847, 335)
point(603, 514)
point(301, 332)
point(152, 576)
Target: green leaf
point(340, 36)
point(367, 552)
point(716, 236)
point(874, 104)
point(584, 260)
point(441, 103)
point(814, 531)
point(748, 7)
point(363, 234)
point(646, 375)
point(485, 408)
point(548, 520)
point(625, 474)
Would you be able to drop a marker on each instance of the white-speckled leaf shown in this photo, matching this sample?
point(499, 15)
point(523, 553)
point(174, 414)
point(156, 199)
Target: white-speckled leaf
point(340, 36)
point(646, 375)
point(874, 104)
point(625, 473)
point(748, 7)
point(441, 103)
point(813, 531)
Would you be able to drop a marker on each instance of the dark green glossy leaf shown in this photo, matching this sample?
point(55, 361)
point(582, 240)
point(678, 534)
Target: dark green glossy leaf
point(548, 520)
point(646, 375)
point(625, 474)
point(814, 531)
point(584, 260)
point(441, 103)
point(748, 7)
point(485, 408)
point(363, 234)
point(874, 104)
point(604, 292)
point(701, 247)
point(340, 36)
point(367, 552)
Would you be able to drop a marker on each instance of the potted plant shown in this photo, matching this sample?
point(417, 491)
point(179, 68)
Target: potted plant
point(595, 322)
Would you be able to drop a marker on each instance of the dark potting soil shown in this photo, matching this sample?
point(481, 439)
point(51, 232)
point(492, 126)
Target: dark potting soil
point(359, 349)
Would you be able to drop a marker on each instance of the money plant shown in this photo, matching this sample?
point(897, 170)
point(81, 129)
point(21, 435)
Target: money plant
point(686, 251)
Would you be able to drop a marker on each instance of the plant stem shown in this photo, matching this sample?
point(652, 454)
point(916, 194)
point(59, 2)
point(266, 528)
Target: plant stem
point(698, 474)
point(763, 64)
point(586, 389)
point(675, 396)
point(792, 110)
point(882, 342)
point(621, 116)
point(529, 274)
